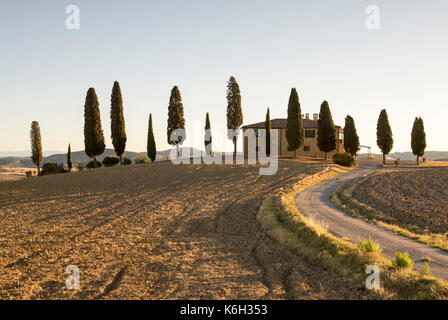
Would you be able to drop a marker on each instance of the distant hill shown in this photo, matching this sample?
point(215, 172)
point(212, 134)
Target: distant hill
point(77, 157)
point(81, 157)
point(25, 153)
point(431, 155)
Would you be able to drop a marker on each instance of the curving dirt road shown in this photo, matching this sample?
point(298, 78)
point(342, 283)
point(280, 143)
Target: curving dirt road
point(315, 202)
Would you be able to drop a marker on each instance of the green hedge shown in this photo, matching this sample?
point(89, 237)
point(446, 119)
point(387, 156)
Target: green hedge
point(89, 164)
point(344, 159)
point(52, 168)
point(111, 161)
point(141, 159)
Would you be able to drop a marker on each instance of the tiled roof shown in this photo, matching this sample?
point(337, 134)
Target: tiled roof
point(281, 123)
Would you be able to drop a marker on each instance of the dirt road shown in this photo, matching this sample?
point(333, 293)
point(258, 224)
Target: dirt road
point(315, 202)
point(155, 231)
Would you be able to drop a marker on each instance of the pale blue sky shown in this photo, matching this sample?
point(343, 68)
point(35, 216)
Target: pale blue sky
point(320, 47)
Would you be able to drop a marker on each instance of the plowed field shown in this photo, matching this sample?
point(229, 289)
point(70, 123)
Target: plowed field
point(155, 231)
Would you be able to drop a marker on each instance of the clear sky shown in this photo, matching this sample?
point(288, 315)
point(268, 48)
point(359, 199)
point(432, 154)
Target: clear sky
point(322, 48)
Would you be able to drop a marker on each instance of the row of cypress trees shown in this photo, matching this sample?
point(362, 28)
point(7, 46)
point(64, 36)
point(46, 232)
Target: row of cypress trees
point(326, 132)
point(176, 134)
point(326, 140)
point(327, 136)
point(93, 132)
point(36, 147)
point(385, 141)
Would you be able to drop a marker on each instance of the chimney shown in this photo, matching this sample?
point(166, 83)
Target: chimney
point(307, 115)
point(315, 116)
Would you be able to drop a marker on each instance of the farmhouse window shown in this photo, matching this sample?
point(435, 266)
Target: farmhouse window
point(309, 134)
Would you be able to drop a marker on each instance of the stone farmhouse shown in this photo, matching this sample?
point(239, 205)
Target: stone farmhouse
point(309, 148)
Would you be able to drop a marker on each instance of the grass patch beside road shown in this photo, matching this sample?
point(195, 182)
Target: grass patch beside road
point(342, 198)
point(283, 221)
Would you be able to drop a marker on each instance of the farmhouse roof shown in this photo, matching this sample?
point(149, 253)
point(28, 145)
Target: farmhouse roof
point(281, 124)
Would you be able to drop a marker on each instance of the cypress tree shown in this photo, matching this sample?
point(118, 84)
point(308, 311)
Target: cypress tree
point(69, 158)
point(294, 126)
point(93, 132)
point(267, 127)
point(151, 145)
point(418, 139)
point(176, 118)
point(384, 138)
point(351, 139)
point(118, 131)
point(234, 110)
point(208, 142)
point(326, 131)
point(36, 145)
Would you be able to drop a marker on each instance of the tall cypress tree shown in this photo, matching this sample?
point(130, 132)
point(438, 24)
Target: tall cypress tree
point(93, 132)
point(351, 139)
point(208, 140)
point(294, 126)
point(36, 145)
point(118, 131)
point(151, 144)
point(69, 158)
point(234, 111)
point(384, 138)
point(418, 139)
point(326, 131)
point(267, 127)
point(176, 118)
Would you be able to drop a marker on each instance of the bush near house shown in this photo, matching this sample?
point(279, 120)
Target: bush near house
point(344, 159)
point(110, 161)
point(90, 164)
point(52, 168)
point(141, 159)
point(127, 161)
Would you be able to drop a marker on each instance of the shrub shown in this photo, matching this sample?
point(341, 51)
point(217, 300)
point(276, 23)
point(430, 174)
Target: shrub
point(80, 166)
point(127, 161)
point(344, 159)
point(141, 159)
point(110, 161)
point(29, 173)
point(397, 162)
point(425, 270)
point(424, 158)
point(402, 260)
point(90, 164)
point(369, 246)
point(52, 168)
